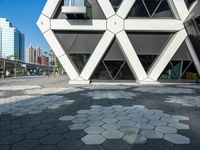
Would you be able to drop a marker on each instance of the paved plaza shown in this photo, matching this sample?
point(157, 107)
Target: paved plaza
point(45, 113)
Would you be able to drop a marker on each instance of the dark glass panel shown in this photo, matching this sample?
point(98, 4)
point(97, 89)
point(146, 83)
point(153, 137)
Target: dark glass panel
point(138, 10)
point(80, 60)
point(151, 9)
point(152, 5)
point(101, 73)
point(116, 4)
point(168, 73)
point(163, 11)
point(189, 3)
point(147, 60)
point(191, 73)
point(114, 67)
point(125, 73)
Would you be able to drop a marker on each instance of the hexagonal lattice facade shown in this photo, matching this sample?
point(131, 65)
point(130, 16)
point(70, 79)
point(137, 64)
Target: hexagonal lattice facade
point(115, 26)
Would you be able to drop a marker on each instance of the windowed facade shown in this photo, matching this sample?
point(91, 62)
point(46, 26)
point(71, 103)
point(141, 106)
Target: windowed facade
point(74, 2)
point(141, 40)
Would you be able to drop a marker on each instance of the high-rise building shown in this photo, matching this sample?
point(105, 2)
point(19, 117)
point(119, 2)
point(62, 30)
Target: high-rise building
point(35, 56)
point(11, 41)
point(144, 41)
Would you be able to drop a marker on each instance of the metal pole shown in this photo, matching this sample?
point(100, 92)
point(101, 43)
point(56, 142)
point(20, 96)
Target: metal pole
point(15, 69)
point(4, 66)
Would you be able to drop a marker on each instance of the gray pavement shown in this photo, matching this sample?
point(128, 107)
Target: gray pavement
point(48, 114)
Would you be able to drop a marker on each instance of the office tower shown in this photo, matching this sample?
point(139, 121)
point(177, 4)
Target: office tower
point(11, 41)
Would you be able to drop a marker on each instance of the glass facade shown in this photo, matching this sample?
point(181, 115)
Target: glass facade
point(116, 4)
point(180, 70)
point(189, 2)
point(151, 9)
point(79, 45)
point(74, 2)
point(12, 41)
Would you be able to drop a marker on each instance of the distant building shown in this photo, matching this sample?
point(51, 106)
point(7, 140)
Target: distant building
point(12, 41)
point(32, 54)
point(35, 56)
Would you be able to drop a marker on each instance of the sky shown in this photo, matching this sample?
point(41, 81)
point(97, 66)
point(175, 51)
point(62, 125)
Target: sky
point(24, 14)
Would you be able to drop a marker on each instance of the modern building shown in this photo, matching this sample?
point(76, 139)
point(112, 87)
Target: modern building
point(35, 56)
point(140, 40)
point(32, 54)
point(11, 41)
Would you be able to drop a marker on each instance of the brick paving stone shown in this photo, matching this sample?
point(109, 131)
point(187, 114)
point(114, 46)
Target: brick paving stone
point(51, 139)
point(71, 144)
point(93, 139)
point(135, 139)
point(177, 139)
point(25, 145)
point(11, 139)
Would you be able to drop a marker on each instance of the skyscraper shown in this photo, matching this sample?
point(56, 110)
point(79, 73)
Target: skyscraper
point(11, 41)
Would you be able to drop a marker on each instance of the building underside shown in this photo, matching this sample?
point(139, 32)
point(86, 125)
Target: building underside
point(125, 40)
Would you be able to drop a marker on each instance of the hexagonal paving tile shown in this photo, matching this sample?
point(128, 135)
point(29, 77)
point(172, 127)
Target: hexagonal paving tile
point(77, 126)
point(177, 139)
point(145, 126)
point(135, 139)
point(51, 139)
point(113, 134)
point(93, 139)
point(111, 126)
point(94, 130)
point(179, 126)
point(165, 129)
point(133, 123)
point(130, 130)
point(66, 118)
point(94, 123)
point(151, 134)
point(110, 120)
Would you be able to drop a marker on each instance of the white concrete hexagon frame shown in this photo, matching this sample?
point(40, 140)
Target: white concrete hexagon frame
point(47, 25)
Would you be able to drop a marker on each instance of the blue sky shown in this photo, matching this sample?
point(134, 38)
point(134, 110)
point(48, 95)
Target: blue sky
point(24, 14)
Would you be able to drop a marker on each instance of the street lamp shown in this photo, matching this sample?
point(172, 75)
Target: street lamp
point(4, 65)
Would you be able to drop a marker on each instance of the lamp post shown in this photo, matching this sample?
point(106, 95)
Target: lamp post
point(4, 66)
